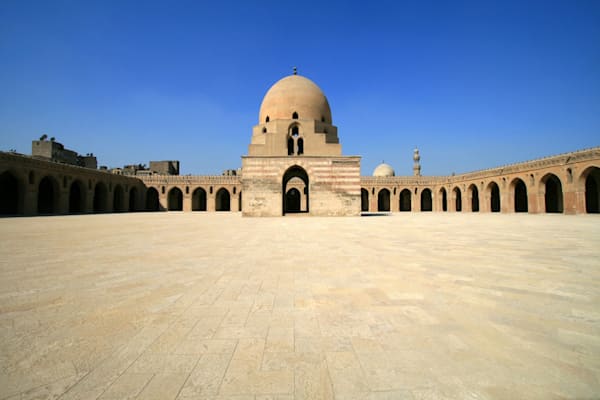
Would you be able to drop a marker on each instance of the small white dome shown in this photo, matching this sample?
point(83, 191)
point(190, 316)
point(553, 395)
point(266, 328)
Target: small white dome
point(384, 169)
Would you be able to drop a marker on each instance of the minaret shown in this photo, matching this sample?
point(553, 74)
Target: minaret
point(417, 164)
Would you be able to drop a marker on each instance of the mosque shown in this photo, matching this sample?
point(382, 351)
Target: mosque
point(294, 165)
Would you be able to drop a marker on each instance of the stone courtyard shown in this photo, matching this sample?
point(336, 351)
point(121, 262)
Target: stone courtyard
point(216, 306)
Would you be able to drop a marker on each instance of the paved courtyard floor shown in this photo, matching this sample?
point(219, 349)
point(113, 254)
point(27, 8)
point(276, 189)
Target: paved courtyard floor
point(216, 306)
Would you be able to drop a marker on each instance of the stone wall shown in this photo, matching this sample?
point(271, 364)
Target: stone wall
point(333, 184)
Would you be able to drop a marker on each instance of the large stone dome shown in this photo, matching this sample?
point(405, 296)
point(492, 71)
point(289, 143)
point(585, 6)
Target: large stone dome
point(384, 169)
point(295, 94)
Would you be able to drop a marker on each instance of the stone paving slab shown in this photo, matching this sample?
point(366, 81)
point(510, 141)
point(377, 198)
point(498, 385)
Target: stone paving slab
point(216, 306)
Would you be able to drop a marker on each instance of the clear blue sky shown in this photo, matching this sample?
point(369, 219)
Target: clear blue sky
point(472, 84)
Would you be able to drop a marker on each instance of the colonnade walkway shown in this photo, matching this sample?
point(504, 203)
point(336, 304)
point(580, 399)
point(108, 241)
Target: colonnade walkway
point(213, 305)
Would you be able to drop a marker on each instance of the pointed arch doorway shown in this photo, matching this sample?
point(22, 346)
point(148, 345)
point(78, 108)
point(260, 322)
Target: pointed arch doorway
point(295, 197)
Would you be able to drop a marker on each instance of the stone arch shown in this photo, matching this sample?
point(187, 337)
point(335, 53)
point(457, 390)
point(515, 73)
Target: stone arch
point(175, 199)
point(222, 200)
point(118, 200)
point(426, 201)
point(519, 192)
point(48, 195)
point(457, 199)
point(553, 194)
point(292, 200)
point(383, 200)
point(493, 191)
point(364, 200)
point(199, 199)
point(474, 195)
point(152, 202)
point(100, 197)
point(77, 197)
point(11, 194)
point(405, 200)
point(443, 199)
point(133, 194)
point(590, 182)
point(294, 171)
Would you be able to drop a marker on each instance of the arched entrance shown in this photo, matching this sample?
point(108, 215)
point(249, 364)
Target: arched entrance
point(199, 200)
point(383, 200)
point(47, 195)
point(77, 197)
point(426, 203)
point(405, 200)
point(11, 194)
point(364, 200)
point(118, 199)
point(494, 192)
point(222, 200)
point(301, 184)
point(553, 196)
point(175, 200)
point(457, 199)
point(444, 197)
point(152, 203)
point(592, 189)
point(133, 193)
point(520, 194)
point(100, 197)
point(292, 200)
point(474, 193)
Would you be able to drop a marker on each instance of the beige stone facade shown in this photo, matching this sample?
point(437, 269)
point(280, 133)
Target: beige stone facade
point(295, 165)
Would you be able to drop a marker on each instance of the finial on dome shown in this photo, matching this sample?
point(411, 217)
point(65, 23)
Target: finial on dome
point(295, 71)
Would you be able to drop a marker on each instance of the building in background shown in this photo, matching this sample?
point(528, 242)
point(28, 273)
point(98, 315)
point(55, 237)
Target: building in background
point(294, 165)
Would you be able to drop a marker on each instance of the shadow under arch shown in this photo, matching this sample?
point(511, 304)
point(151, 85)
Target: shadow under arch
point(12, 192)
point(294, 171)
point(553, 193)
point(77, 197)
point(589, 182)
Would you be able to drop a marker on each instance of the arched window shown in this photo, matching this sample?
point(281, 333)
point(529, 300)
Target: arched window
point(426, 201)
point(364, 200)
point(175, 200)
point(290, 146)
point(199, 200)
point(11, 194)
point(494, 194)
point(553, 196)
point(133, 199)
point(383, 200)
point(152, 203)
point(300, 146)
point(118, 198)
point(48, 192)
point(520, 195)
point(222, 200)
point(405, 200)
point(100, 197)
point(295, 115)
point(267, 119)
point(295, 130)
point(292, 199)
